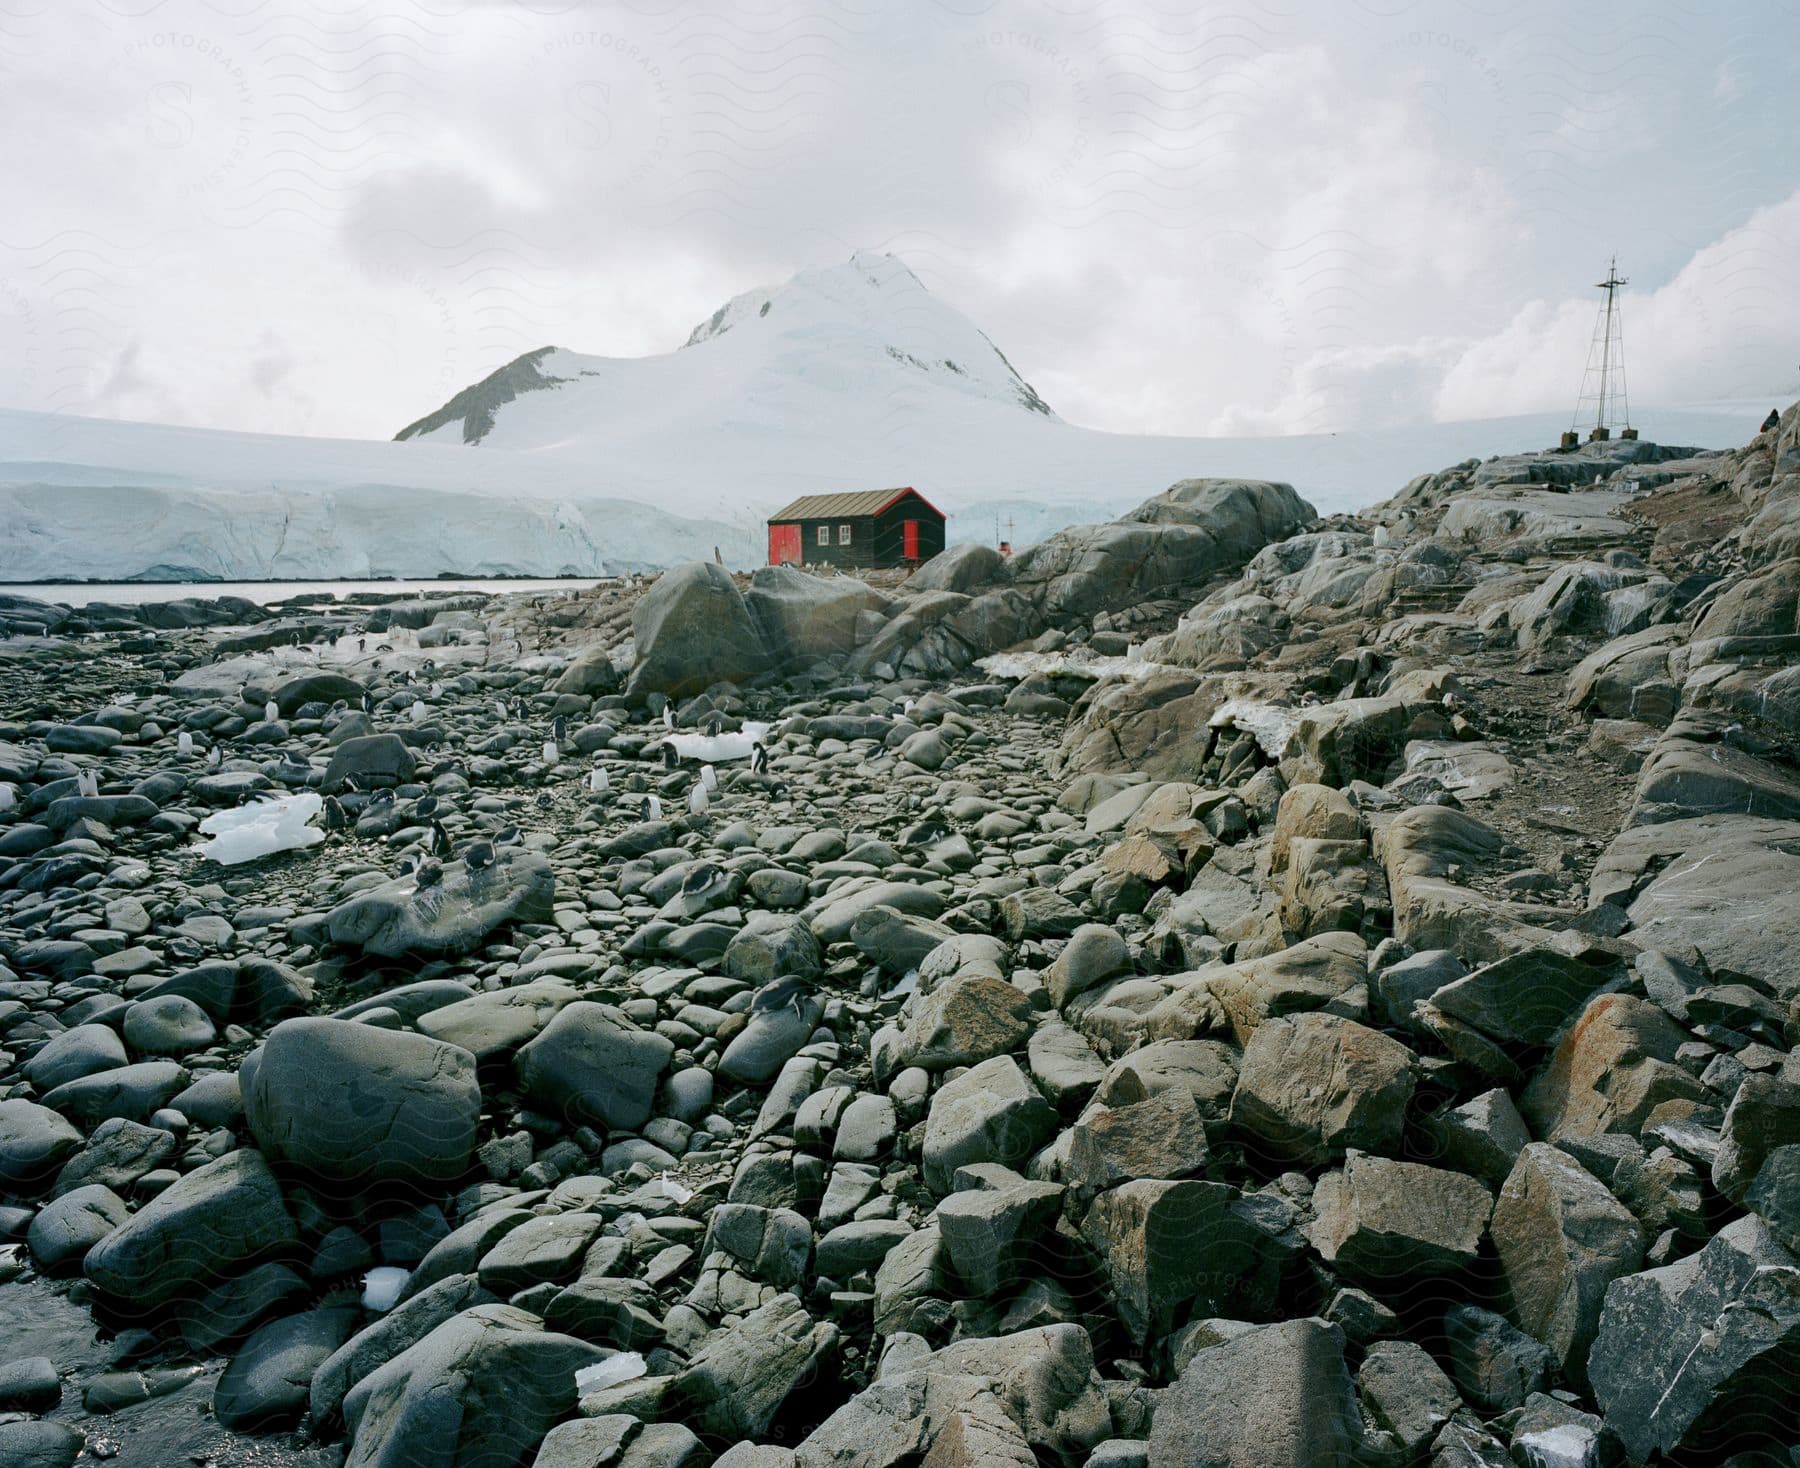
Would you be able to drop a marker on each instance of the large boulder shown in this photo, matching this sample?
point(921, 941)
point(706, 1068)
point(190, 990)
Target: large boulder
point(400, 919)
point(965, 1019)
point(964, 568)
point(405, 1325)
point(1383, 1221)
point(370, 759)
point(590, 672)
point(692, 629)
point(1239, 997)
point(1188, 534)
point(1701, 1354)
point(357, 1104)
point(206, 1226)
point(803, 618)
point(1561, 1239)
point(498, 1021)
point(593, 1065)
point(982, 1403)
point(320, 687)
point(1165, 1243)
point(1314, 1085)
point(482, 1389)
point(1280, 1394)
point(1682, 883)
point(741, 1375)
point(34, 1143)
point(989, 1113)
point(265, 1386)
point(1612, 1069)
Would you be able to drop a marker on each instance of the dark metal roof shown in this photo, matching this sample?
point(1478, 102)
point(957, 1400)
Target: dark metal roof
point(840, 506)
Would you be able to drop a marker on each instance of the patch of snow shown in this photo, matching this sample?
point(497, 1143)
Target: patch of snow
point(262, 828)
point(716, 749)
point(1270, 724)
point(1131, 666)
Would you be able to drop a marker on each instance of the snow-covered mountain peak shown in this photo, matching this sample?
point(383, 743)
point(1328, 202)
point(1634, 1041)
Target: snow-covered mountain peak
point(869, 288)
point(862, 340)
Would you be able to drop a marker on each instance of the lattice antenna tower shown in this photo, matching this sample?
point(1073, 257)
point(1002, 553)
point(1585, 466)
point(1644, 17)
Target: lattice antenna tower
point(1603, 404)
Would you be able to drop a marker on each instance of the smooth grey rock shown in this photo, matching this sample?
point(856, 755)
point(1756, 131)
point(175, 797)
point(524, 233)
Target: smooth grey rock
point(68, 1226)
point(405, 1325)
point(591, 1064)
point(267, 1382)
point(483, 1387)
point(34, 1143)
point(452, 918)
point(209, 1223)
point(353, 1104)
point(81, 1051)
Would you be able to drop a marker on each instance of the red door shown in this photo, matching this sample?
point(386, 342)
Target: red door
point(909, 539)
point(784, 545)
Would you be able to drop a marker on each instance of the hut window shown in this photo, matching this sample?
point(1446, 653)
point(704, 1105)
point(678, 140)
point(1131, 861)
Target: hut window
point(843, 535)
point(824, 535)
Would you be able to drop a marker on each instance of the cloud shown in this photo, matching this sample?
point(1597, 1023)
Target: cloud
point(1171, 218)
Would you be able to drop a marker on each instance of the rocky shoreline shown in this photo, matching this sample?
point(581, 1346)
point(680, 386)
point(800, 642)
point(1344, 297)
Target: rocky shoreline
point(1222, 987)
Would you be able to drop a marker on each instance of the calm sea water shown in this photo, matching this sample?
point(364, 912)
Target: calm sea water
point(137, 593)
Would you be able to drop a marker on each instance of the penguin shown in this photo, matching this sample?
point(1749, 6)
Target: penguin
point(559, 729)
point(651, 810)
point(213, 756)
point(709, 777)
point(380, 799)
point(599, 782)
point(336, 818)
point(480, 856)
point(670, 757)
point(759, 758)
point(440, 840)
point(368, 702)
point(700, 877)
point(362, 644)
point(426, 805)
point(715, 726)
point(429, 874)
point(789, 993)
point(545, 800)
point(668, 716)
point(778, 791)
point(698, 802)
point(507, 836)
point(500, 707)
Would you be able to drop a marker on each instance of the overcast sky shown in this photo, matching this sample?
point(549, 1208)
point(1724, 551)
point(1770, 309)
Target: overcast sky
point(324, 218)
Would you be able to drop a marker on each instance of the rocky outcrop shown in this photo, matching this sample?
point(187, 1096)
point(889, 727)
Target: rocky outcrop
point(1348, 1021)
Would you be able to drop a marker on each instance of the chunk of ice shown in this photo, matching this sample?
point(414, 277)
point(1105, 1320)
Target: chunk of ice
point(262, 828)
point(621, 1367)
point(717, 748)
point(382, 1286)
